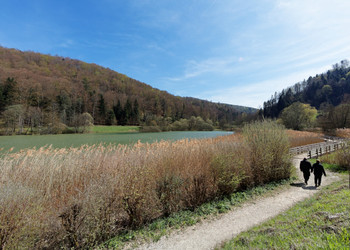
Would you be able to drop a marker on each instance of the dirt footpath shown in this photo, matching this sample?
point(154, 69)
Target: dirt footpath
point(208, 234)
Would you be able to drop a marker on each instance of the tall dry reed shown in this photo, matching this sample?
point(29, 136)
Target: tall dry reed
point(78, 197)
point(301, 138)
point(342, 132)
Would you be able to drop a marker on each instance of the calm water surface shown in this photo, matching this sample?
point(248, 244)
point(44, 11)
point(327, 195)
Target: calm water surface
point(75, 140)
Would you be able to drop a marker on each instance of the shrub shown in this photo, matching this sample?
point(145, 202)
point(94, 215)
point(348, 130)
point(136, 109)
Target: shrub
point(268, 148)
point(147, 129)
point(181, 125)
point(56, 128)
point(228, 173)
point(169, 189)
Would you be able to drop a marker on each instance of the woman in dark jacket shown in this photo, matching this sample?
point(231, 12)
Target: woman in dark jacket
point(318, 170)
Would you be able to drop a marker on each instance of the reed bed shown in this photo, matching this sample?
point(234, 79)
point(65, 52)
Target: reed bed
point(343, 132)
point(301, 138)
point(78, 197)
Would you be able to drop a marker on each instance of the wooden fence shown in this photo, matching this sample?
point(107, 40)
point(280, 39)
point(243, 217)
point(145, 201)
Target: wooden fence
point(318, 149)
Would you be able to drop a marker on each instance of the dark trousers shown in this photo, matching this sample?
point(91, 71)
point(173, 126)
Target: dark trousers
point(306, 176)
point(318, 179)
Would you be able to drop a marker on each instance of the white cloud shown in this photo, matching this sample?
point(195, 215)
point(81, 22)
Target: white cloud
point(196, 69)
point(67, 43)
point(256, 93)
point(285, 41)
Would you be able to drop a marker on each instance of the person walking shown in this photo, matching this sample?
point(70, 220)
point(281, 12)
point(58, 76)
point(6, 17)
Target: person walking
point(318, 171)
point(305, 167)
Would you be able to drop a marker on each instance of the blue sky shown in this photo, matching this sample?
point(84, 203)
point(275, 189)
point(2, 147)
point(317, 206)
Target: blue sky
point(228, 51)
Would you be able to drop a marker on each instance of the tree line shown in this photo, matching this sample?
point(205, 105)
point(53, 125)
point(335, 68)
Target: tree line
point(50, 94)
point(323, 100)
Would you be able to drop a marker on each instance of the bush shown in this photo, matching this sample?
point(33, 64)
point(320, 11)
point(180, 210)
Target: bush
point(169, 189)
point(56, 128)
point(228, 173)
point(181, 125)
point(268, 147)
point(148, 129)
point(197, 123)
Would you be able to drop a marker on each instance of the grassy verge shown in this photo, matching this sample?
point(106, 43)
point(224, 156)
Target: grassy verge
point(328, 166)
point(321, 222)
point(114, 129)
point(160, 227)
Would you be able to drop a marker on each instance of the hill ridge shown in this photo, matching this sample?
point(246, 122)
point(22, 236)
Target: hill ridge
point(66, 87)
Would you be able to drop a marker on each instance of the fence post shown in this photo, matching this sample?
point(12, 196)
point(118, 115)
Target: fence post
point(320, 151)
point(316, 153)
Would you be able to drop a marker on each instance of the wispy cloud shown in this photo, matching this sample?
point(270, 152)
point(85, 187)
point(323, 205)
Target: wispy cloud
point(254, 94)
point(232, 51)
point(67, 43)
point(223, 66)
point(279, 46)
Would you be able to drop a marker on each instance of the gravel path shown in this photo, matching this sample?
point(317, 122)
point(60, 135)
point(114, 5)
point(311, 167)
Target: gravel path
point(208, 234)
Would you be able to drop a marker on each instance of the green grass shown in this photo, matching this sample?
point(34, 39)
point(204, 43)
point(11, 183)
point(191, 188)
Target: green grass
point(331, 167)
point(155, 230)
point(114, 129)
point(321, 222)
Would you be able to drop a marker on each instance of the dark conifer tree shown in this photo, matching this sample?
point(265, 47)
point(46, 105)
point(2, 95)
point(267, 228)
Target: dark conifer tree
point(128, 111)
point(118, 110)
point(102, 109)
point(136, 113)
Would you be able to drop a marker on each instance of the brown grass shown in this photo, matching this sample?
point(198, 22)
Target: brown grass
point(343, 132)
point(301, 138)
point(77, 197)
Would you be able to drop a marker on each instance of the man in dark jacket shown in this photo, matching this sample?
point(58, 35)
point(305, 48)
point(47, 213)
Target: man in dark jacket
point(318, 170)
point(305, 167)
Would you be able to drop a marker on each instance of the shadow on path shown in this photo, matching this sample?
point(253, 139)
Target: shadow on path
point(300, 184)
point(309, 187)
point(303, 186)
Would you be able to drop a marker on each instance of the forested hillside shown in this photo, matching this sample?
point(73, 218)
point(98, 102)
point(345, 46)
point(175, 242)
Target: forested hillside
point(47, 90)
point(329, 89)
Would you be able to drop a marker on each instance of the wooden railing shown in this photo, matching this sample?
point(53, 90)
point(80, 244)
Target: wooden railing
point(318, 149)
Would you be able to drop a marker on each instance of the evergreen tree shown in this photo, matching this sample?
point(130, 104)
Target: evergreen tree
point(65, 106)
point(128, 111)
point(110, 117)
point(10, 92)
point(2, 99)
point(136, 113)
point(118, 110)
point(102, 109)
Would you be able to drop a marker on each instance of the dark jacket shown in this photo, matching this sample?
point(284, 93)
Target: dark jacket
point(305, 166)
point(318, 169)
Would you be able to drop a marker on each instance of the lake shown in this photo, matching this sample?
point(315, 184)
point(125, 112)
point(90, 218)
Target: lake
point(76, 140)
